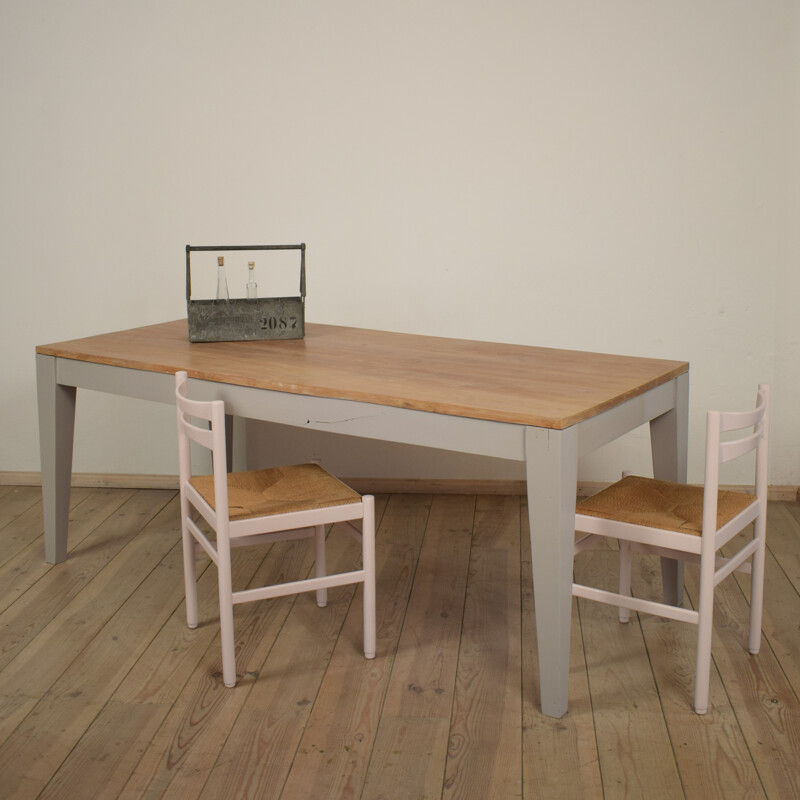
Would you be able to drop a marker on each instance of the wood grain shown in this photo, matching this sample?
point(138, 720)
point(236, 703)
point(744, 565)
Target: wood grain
point(710, 750)
point(782, 590)
point(16, 500)
point(333, 755)
point(772, 724)
point(63, 664)
point(412, 741)
point(114, 697)
point(200, 720)
point(102, 765)
point(260, 749)
point(484, 755)
point(408, 759)
point(20, 572)
point(633, 743)
point(24, 619)
point(24, 521)
point(507, 383)
point(559, 756)
point(423, 675)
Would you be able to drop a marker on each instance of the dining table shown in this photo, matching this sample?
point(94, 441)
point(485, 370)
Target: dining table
point(541, 406)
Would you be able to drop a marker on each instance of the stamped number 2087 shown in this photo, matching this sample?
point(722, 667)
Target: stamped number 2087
point(278, 323)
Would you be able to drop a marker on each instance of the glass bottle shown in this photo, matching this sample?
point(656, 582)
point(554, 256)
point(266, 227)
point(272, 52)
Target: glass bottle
point(222, 281)
point(252, 286)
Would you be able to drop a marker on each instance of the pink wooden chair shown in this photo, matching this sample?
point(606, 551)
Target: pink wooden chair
point(245, 508)
point(690, 523)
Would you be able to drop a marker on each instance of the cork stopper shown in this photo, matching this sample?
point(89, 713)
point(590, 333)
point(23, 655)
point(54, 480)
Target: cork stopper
point(220, 261)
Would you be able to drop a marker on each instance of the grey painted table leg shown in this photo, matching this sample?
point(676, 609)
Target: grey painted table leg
point(229, 442)
point(236, 443)
point(669, 440)
point(552, 472)
point(56, 434)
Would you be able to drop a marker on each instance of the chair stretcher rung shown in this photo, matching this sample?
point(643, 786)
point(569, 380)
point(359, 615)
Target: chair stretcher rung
point(634, 603)
point(267, 538)
point(734, 562)
point(296, 587)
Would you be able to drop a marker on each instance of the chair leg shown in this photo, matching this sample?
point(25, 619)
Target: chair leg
point(226, 617)
point(704, 628)
point(624, 614)
point(189, 574)
point(320, 565)
point(624, 577)
point(757, 587)
point(368, 561)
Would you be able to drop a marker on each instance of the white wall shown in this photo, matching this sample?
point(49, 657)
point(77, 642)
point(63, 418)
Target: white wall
point(617, 176)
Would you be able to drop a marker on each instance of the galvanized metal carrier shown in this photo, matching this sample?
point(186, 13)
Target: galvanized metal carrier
point(243, 319)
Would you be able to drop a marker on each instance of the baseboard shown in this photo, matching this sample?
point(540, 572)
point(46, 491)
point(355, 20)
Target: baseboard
point(363, 485)
point(99, 480)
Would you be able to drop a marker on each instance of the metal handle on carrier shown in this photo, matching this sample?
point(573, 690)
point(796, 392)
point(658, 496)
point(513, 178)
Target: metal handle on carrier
point(206, 248)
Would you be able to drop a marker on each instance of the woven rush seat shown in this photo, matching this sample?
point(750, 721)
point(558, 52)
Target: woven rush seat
point(661, 504)
point(279, 490)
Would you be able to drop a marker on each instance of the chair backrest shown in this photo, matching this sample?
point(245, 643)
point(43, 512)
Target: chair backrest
point(755, 436)
point(211, 435)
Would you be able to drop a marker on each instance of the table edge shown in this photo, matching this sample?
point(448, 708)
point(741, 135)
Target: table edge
point(453, 409)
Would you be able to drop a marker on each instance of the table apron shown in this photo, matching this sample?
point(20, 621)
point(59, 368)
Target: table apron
point(350, 417)
point(603, 428)
point(369, 420)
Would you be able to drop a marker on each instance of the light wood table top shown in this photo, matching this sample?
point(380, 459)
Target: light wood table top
point(524, 385)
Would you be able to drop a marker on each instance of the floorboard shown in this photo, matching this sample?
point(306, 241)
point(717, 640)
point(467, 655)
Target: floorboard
point(105, 693)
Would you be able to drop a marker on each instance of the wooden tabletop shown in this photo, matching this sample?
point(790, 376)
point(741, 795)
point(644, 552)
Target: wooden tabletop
point(507, 383)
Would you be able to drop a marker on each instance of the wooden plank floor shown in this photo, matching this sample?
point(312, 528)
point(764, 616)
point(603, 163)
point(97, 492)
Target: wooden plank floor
point(105, 693)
